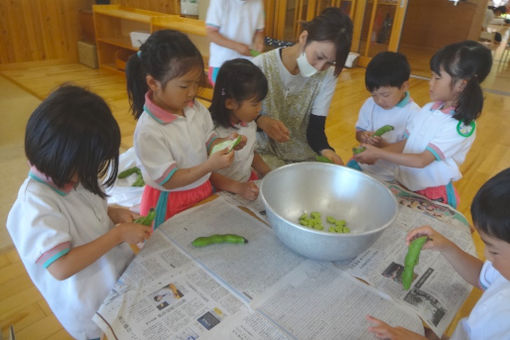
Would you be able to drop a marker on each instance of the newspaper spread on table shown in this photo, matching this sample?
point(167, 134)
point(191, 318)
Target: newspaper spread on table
point(263, 290)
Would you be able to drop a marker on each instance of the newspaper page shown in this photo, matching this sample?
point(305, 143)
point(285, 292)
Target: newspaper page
point(248, 268)
point(256, 206)
point(318, 301)
point(437, 291)
point(163, 294)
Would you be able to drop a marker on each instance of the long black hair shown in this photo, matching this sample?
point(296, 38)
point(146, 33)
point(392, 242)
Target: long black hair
point(335, 26)
point(165, 55)
point(490, 210)
point(74, 132)
point(238, 79)
point(470, 61)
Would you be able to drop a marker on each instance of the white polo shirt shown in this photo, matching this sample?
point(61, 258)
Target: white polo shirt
point(434, 129)
point(236, 20)
point(372, 117)
point(165, 142)
point(490, 317)
point(45, 223)
point(240, 170)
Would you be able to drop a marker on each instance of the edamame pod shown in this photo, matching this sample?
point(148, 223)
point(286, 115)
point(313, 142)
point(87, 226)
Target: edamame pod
point(382, 130)
point(128, 172)
point(218, 238)
point(358, 150)
point(146, 220)
point(413, 253)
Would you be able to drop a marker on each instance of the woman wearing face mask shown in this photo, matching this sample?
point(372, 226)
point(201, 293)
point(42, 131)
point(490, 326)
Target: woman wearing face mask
point(302, 80)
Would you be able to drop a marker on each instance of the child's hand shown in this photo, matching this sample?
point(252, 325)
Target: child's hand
point(242, 143)
point(249, 191)
point(369, 156)
point(384, 331)
point(120, 214)
point(368, 137)
point(243, 49)
point(133, 233)
point(221, 159)
point(436, 240)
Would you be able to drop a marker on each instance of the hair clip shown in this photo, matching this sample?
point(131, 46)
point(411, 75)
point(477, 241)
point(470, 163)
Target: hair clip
point(139, 54)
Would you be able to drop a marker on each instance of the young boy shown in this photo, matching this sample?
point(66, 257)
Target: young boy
point(387, 79)
point(491, 218)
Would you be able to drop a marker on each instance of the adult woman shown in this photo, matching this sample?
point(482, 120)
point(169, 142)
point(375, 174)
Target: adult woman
point(301, 84)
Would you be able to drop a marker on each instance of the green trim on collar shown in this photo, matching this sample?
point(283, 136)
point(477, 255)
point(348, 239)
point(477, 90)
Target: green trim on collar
point(405, 100)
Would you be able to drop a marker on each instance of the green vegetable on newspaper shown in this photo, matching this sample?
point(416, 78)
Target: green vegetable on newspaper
point(139, 182)
point(412, 256)
point(146, 220)
point(314, 221)
point(218, 238)
point(230, 144)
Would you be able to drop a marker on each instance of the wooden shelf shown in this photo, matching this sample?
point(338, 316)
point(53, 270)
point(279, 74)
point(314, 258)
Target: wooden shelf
point(114, 23)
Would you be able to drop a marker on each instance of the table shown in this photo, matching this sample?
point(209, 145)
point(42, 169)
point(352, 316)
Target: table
point(262, 290)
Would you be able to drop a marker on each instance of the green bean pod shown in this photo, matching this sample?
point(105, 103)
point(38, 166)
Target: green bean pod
point(382, 130)
point(218, 238)
point(324, 159)
point(358, 150)
point(128, 172)
point(146, 220)
point(413, 253)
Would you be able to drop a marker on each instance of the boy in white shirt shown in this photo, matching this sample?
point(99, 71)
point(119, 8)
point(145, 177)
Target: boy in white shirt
point(236, 30)
point(387, 79)
point(491, 218)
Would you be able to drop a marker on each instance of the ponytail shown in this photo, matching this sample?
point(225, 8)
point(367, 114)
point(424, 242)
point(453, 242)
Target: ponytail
point(470, 61)
point(136, 85)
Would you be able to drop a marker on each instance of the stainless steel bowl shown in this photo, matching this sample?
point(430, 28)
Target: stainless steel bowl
point(366, 204)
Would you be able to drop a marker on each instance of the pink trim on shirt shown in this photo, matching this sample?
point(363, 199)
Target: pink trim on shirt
point(55, 250)
point(437, 151)
point(47, 180)
point(158, 112)
point(164, 178)
point(441, 107)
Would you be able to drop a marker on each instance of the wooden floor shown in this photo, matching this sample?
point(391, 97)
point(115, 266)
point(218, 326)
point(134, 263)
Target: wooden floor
point(22, 306)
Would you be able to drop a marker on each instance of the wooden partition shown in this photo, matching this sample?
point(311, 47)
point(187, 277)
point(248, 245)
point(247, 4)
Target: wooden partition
point(34, 30)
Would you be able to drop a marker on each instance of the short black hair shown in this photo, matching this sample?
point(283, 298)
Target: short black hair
point(387, 69)
point(73, 132)
point(240, 80)
point(490, 209)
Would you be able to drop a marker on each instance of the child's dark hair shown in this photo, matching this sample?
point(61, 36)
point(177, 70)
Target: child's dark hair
point(165, 55)
point(332, 25)
point(73, 132)
point(387, 69)
point(470, 61)
point(490, 208)
point(238, 79)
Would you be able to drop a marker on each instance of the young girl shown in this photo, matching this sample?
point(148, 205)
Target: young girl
point(442, 132)
point(72, 245)
point(234, 27)
point(174, 131)
point(240, 88)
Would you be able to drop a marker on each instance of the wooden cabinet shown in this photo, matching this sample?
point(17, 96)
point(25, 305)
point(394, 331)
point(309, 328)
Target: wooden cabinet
point(113, 25)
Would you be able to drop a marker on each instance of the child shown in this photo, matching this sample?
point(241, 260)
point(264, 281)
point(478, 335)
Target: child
point(60, 223)
point(440, 135)
point(233, 26)
point(491, 217)
point(174, 131)
point(236, 104)
point(387, 79)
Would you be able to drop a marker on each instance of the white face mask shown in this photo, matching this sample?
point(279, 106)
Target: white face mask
point(305, 68)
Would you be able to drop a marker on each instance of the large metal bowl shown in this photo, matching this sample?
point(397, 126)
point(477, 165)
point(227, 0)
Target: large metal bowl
point(364, 203)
